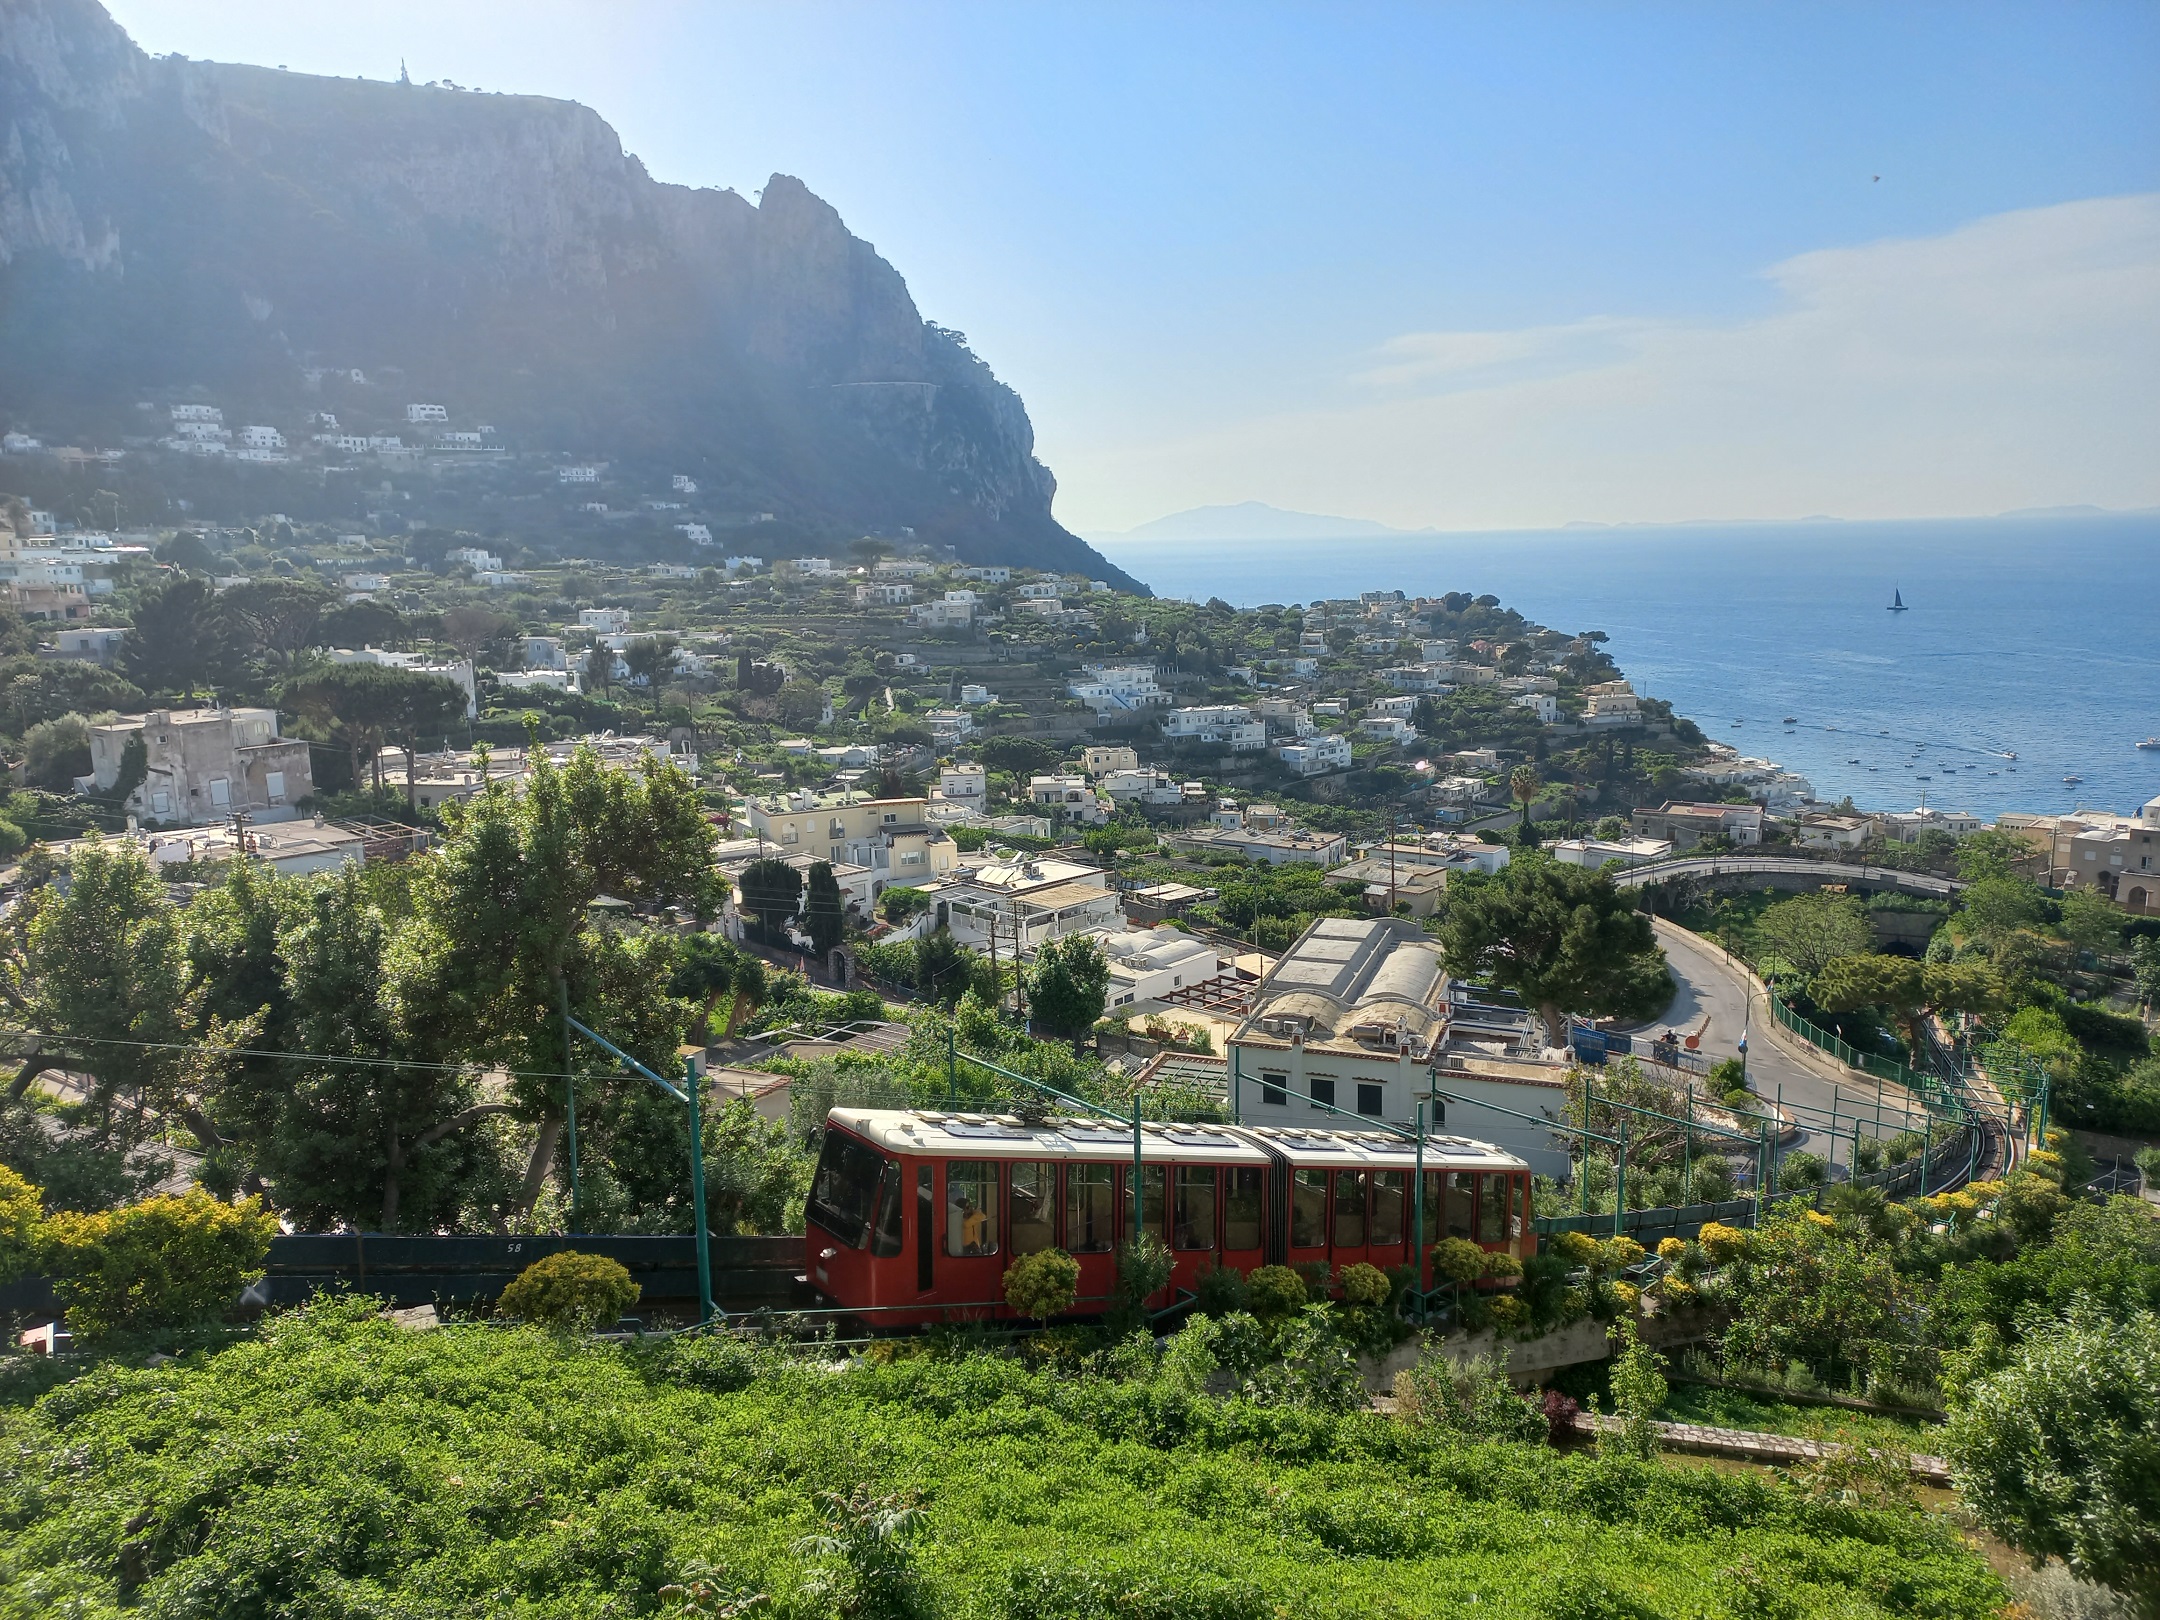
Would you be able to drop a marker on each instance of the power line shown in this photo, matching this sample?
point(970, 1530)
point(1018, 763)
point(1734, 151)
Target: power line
point(314, 1057)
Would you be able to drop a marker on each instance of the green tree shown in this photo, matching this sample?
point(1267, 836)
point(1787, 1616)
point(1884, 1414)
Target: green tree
point(1067, 985)
point(2090, 921)
point(823, 916)
point(1810, 931)
point(421, 707)
point(648, 658)
point(1524, 787)
point(357, 705)
point(1907, 990)
point(1996, 908)
point(769, 892)
point(56, 752)
point(600, 668)
point(1562, 938)
point(271, 621)
point(2059, 1452)
point(1819, 1295)
point(177, 637)
point(366, 623)
point(502, 937)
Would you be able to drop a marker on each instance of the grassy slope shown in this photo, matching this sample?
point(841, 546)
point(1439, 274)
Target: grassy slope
point(335, 1468)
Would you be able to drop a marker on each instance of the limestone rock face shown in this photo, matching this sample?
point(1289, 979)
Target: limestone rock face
point(167, 223)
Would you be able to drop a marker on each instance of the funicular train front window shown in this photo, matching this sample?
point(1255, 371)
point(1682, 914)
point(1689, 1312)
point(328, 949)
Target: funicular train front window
point(1244, 1206)
point(844, 1188)
point(1192, 1221)
point(1034, 1208)
point(1090, 1208)
point(1389, 1196)
point(971, 1207)
point(1308, 1210)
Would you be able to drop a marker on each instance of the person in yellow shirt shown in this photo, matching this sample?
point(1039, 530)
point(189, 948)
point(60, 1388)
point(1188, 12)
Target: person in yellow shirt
point(974, 1229)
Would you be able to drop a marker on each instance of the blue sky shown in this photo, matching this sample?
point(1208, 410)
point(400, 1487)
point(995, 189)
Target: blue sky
point(1473, 266)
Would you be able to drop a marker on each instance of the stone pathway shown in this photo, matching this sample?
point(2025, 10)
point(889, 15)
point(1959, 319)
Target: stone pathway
point(1754, 1445)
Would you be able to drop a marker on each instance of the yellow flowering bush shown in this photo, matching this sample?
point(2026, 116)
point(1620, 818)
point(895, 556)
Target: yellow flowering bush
point(1722, 1243)
point(1622, 1252)
point(1578, 1249)
point(1508, 1311)
point(1499, 1263)
point(1671, 1249)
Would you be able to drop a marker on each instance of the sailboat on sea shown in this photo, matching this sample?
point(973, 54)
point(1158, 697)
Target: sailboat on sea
point(1897, 601)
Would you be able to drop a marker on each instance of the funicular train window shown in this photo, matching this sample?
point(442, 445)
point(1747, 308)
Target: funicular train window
point(1493, 1208)
point(1090, 1208)
point(1350, 1188)
point(1519, 1209)
point(1244, 1206)
point(1461, 1204)
point(1308, 1210)
point(1390, 1192)
point(1034, 1207)
point(1192, 1217)
point(1152, 1180)
point(844, 1187)
point(971, 1207)
point(885, 1230)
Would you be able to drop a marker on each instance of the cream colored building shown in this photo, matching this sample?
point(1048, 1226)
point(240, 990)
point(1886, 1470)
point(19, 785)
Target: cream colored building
point(893, 838)
point(2118, 856)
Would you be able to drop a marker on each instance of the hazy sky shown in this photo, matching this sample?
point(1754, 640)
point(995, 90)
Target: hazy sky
point(1473, 266)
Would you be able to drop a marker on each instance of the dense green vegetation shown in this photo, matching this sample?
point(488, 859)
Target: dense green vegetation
point(336, 1467)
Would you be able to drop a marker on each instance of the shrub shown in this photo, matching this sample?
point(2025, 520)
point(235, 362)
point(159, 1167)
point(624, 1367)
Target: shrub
point(1220, 1290)
point(1364, 1284)
point(1671, 1249)
point(19, 1214)
point(1275, 1293)
point(1143, 1270)
point(1499, 1263)
point(1460, 1260)
point(1721, 1242)
point(1043, 1284)
point(1620, 1253)
point(1578, 1249)
point(1801, 1170)
point(1472, 1398)
point(570, 1291)
point(163, 1263)
point(1639, 1389)
point(866, 1567)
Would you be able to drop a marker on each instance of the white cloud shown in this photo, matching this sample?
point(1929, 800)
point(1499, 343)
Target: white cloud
point(2012, 362)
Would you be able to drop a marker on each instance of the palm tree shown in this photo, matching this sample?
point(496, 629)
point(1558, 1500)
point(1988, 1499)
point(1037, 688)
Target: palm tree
point(1523, 783)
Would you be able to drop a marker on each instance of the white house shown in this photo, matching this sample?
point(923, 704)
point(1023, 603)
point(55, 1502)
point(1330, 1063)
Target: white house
point(1221, 723)
point(1135, 786)
point(1611, 703)
point(1595, 852)
point(478, 558)
point(1421, 678)
point(943, 615)
point(1402, 708)
point(987, 575)
point(1387, 728)
point(1149, 963)
point(698, 534)
point(1041, 590)
point(578, 475)
point(427, 413)
point(606, 621)
point(665, 570)
point(262, 438)
point(1116, 688)
point(973, 695)
point(868, 595)
point(964, 784)
point(1316, 755)
point(1542, 704)
point(684, 484)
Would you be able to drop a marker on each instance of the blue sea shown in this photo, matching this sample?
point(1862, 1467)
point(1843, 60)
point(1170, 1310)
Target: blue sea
point(2033, 636)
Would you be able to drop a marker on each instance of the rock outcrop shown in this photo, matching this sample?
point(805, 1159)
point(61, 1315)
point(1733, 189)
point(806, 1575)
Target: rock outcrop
point(167, 223)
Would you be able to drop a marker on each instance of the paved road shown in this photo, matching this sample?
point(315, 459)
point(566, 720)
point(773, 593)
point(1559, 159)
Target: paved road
point(1710, 984)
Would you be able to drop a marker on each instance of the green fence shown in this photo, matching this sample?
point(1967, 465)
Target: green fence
point(1936, 1095)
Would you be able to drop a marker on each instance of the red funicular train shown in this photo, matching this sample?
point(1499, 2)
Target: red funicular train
point(913, 1216)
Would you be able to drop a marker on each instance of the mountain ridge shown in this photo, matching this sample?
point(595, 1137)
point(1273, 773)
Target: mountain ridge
point(168, 224)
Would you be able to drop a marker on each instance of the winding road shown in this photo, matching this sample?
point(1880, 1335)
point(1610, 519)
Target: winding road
point(1779, 1064)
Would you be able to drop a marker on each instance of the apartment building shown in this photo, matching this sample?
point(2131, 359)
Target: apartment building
point(203, 764)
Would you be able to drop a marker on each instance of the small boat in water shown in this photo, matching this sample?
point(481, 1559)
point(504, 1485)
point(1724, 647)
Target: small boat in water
point(2073, 777)
point(1790, 721)
point(2150, 745)
point(1897, 602)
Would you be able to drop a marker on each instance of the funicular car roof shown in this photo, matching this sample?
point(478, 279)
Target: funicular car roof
point(955, 1135)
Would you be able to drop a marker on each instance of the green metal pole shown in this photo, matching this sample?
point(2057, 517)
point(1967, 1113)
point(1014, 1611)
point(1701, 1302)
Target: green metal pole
point(1582, 1182)
point(1619, 1208)
point(1417, 1213)
point(1137, 1227)
point(952, 1067)
point(1687, 1153)
point(569, 1043)
point(694, 1083)
point(1927, 1146)
point(1762, 1167)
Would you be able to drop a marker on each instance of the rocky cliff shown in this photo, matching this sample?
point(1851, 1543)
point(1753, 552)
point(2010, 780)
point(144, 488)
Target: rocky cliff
point(166, 224)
